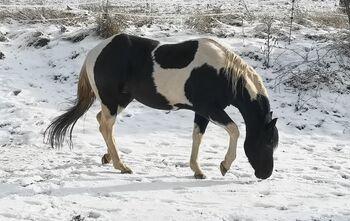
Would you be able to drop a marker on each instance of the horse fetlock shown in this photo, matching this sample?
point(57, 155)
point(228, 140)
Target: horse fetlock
point(126, 170)
point(200, 176)
point(123, 168)
point(194, 166)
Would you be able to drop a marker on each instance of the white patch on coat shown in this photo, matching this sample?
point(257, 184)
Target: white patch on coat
point(170, 82)
point(91, 60)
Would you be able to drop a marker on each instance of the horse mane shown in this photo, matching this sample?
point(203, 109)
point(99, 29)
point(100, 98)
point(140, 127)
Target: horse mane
point(236, 68)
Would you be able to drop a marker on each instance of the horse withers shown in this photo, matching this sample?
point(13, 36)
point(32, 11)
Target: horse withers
point(200, 75)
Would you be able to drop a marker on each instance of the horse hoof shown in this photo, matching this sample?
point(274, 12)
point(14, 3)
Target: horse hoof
point(200, 176)
point(104, 159)
point(222, 168)
point(127, 170)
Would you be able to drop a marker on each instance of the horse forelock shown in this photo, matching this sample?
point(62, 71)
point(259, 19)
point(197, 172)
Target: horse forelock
point(236, 68)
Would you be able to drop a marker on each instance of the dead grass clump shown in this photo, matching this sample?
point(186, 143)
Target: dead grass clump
point(35, 15)
point(201, 23)
point(140, 22)
point(316, 78)
point(108, 25)
point(329, 20)
point(322, 68)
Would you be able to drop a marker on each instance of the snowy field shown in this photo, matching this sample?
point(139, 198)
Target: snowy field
point(311, 180)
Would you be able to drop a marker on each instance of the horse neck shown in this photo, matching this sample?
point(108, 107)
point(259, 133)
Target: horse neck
point(256, 113)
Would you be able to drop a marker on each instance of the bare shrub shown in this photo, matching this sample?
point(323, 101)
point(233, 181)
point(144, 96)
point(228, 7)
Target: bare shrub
point(315, 77)
point(200, 22)
point(108, 26)
point(345, 7)
point(320, 68)
point(271, 41)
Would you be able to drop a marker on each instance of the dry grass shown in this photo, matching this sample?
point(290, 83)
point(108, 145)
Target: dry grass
point(108, 25)
point(35, 15)
point(329, 20)
point(201, 23)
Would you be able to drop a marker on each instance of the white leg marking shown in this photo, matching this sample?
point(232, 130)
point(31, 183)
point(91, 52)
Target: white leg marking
point(106, 127)
point(230, 156)
point(197, 138)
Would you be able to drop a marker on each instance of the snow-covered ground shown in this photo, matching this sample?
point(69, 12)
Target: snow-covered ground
point(311, 180)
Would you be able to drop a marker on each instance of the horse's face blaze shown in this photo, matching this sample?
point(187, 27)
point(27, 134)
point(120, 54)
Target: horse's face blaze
point(260, 151)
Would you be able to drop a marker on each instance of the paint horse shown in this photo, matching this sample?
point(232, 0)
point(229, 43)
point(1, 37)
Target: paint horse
point(200, 75)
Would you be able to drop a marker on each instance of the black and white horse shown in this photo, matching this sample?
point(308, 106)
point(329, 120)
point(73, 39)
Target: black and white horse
point(200, 75)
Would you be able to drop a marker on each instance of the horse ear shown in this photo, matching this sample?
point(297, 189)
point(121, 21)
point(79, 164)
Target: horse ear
point(272, 123)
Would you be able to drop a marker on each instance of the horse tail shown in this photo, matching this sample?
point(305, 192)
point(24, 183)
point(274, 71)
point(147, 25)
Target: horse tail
point(56, 132)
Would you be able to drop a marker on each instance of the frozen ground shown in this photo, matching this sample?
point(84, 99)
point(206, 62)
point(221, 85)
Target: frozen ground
point(311, 180)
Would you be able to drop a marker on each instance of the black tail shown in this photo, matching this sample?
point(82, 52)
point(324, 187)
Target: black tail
point(56, 132)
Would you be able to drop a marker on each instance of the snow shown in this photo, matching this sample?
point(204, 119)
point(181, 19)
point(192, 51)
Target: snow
point(311, 180)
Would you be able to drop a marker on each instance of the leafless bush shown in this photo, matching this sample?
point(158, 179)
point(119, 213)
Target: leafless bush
point(315, 77)
point(341, 44)
point(345, 7)
point(200, 22)
point(271, 41)
point(108, 25)
point(320, 68)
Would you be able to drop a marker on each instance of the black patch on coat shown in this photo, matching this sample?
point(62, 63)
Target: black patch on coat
point(176, 55)
point(123, 72)
point(201, 122)
point(256, 113)
point(207, 89)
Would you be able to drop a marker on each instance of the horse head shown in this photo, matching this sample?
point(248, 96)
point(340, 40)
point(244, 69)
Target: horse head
point(259, 148)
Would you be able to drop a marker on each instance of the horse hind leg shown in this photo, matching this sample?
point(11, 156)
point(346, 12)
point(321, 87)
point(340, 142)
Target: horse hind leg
point(107, 156)
point(106, 121)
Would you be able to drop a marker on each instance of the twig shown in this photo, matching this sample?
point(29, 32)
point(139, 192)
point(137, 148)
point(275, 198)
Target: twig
point(291, 21)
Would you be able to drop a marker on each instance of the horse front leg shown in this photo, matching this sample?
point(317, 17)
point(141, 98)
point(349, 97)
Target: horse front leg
point(230, 156)
point(221, 118)
point(200, 124)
